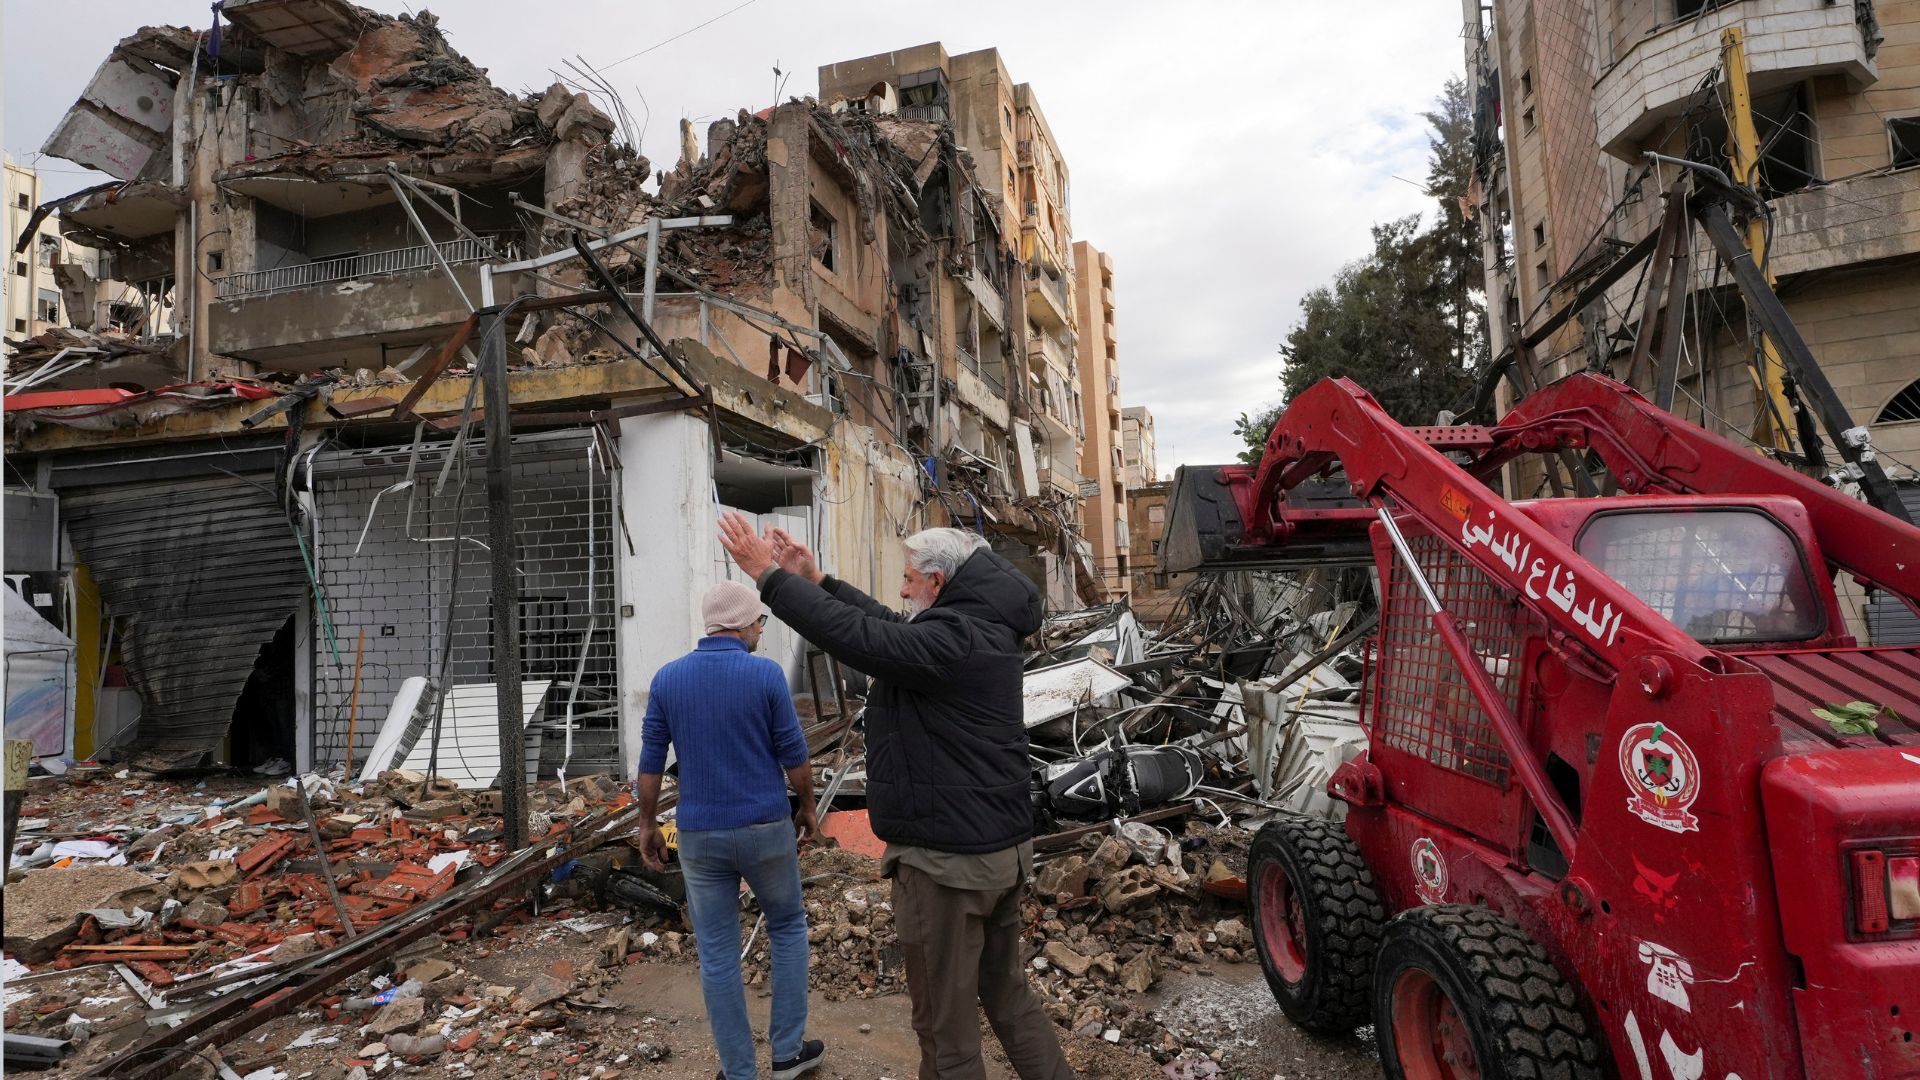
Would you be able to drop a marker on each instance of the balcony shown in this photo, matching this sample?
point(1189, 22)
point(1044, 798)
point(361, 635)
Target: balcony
point(1865, 219)
point(308, 317)
point(1786, 41)
point(1047, 301)
point(350, 268)
point(987, 295)
point(1046, 350)
point(979, 387)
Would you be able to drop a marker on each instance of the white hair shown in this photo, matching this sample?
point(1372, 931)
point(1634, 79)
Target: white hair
point(942, 551)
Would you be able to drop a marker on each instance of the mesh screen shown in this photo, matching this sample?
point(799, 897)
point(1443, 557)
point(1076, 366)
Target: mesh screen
point(393, 583)
point(1426, 707)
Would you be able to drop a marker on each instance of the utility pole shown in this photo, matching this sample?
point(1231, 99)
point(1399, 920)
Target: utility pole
point(1743, 152)
point(506, 587)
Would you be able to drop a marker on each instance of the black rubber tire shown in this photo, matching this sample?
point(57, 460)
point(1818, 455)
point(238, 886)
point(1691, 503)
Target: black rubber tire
point(1521, 1015)
point(1343, 918)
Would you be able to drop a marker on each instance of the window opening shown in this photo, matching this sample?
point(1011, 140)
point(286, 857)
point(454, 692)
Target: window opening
point(821, 229)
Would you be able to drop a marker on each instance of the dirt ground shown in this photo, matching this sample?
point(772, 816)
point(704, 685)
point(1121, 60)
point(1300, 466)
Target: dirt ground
point(656, 1011)
point(1234, 1006)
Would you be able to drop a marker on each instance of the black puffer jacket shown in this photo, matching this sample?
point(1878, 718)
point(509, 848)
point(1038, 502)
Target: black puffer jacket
point(947, 764)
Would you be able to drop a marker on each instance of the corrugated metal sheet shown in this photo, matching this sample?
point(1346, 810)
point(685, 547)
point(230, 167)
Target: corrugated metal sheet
point(1805, 680)
point(1890, 622)
point(200, 574)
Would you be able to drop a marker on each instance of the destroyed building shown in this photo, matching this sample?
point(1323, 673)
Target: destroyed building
point(1138, 456)
point(1101, 455)
point(1154, 593)
point(242, 520)
point(1808, 103)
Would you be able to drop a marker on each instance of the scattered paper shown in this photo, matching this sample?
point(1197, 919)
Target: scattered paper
point(115, 919)
point(459, 860)
point(315, 1037)
point(591, 924)
point(85, 849)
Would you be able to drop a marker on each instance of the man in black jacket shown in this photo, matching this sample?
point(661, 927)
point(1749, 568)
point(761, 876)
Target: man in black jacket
point(947, 774)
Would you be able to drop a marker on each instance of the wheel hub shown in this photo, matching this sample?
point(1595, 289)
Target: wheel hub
point(1430, 1037)
point(1283, 923)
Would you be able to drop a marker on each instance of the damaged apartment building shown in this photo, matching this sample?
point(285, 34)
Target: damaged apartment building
point(266, 534)
point(1815, 105)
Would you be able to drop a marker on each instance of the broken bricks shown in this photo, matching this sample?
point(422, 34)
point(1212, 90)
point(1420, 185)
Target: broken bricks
point(543, 990)
point(1140, 973)
point(195, 877)
point(1123, 891)
point(1062, 879)
point(1063, 956)
point(403, 1014)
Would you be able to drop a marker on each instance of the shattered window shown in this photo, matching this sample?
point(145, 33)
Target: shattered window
point(820, 237)
point(1904, 131)
point(47, 306)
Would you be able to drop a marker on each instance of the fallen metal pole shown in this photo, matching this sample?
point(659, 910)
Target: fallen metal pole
point(320, 850)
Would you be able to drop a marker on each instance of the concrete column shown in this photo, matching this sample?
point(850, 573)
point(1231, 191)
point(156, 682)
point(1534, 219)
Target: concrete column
point(667, 499)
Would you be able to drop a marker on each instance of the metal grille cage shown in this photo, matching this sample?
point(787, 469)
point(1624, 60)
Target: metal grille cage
point(386, 562)
point(1426, 707)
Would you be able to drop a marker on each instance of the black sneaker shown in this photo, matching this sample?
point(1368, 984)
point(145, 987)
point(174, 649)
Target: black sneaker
point(812, 1053)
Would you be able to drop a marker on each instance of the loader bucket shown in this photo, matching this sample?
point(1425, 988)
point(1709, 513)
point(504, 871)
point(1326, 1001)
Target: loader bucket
point(1205, 533)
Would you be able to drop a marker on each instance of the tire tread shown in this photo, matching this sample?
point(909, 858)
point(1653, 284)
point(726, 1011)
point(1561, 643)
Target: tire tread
point(1344, 903)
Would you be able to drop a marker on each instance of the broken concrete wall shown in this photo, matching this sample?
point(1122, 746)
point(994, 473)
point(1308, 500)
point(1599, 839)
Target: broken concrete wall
point(123, 122)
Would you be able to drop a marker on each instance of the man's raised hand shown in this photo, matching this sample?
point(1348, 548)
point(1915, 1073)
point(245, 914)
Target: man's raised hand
point(793, 556)
point(750, 553)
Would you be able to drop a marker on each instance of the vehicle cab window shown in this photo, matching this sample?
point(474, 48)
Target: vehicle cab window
point(1723, 576)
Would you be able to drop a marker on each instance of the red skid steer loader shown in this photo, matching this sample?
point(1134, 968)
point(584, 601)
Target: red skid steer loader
point(1634, 802)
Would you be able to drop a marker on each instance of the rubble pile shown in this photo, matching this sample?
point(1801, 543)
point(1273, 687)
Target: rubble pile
point(176, 882)
point(1111, 918)
point(26, 354)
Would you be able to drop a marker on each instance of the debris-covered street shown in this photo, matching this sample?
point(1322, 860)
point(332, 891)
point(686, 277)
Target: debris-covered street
point(657, 542)
point(586, 982)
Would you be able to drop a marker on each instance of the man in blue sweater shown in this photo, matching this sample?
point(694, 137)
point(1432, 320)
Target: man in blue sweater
point(729, 717)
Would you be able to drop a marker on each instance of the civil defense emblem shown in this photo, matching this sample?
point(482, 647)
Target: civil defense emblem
point(1663, 777)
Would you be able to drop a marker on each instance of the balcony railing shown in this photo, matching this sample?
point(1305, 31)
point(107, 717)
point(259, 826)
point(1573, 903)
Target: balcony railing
point(991, 373)
point(355, 267)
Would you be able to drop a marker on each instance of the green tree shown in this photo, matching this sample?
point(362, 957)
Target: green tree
point(1406, 321)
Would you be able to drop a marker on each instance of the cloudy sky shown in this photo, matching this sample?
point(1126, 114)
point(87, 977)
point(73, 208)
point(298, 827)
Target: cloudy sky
point(1229, 156)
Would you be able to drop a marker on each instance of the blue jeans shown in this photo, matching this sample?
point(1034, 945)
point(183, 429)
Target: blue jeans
point(713, 861)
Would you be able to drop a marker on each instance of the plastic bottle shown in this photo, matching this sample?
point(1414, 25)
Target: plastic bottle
point(408, 989)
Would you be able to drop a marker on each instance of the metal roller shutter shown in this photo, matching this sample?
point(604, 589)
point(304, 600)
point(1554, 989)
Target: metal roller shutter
point(1890, 622)
point(200, 574)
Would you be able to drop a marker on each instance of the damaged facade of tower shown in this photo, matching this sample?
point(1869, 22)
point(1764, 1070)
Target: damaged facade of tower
point(268, 528)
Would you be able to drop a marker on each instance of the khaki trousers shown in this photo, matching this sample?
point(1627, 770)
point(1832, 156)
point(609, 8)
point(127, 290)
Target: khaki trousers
point(963, 953)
